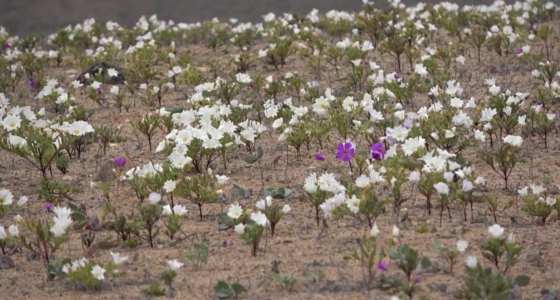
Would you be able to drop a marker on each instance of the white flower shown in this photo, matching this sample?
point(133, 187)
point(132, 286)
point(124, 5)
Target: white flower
point(166, 210)
point(118, 259)
point(286, 208)
point(467, 185)
point(353, 204)
point(96, 85)
point(179, 210)
point(115, 90)
point(174, 264)
point(13, 230)
point(471, 262)
point(259, 218)
point(460, 59)
point(442, 188)
point(98, 272)
point(395, 230)
point(154, 198)
point(496, 230)
point(22, 200)
point(262, 204)
point(414, 176)
point(420, 70)
point(374, 230)
point(222, 179)
point(239, 228)
point(77, 84)
point(235, 211)
point(58, 229)
point(462, 246)
point(169, 186)
point(6, 197)
point(513, 140)
point(537, 189)
point(11, 122)
point(112, 72)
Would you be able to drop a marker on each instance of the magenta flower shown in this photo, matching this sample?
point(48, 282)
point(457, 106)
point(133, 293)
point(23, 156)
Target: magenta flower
point(345, 151)
point(382, 266)
point(32, 84)
point(377, 151)
point(48, 206)
point(251, 84)
point(99, 90)
point(417, 279)
point(319, 157)
point(396, 75)
point(519, 51)
point(7, 45)
point(119, 161)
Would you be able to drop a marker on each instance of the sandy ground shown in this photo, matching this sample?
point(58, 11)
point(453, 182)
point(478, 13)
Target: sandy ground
point(44, 17)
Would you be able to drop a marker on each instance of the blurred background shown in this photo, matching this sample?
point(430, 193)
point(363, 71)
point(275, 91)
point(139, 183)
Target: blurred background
point(44, 17)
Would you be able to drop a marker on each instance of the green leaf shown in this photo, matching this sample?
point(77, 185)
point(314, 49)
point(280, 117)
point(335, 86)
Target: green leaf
point(522, 280)
point(237, 288)
point(80, 225)
point(426, 263)
point(260, 153)
point(222, 290)
point(79, 216)
point(177, 110)
point(251, 159)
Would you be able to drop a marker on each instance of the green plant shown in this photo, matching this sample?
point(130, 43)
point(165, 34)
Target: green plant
point(196, 254)
point(224, 290)
point(154, 290)
point(286, 281)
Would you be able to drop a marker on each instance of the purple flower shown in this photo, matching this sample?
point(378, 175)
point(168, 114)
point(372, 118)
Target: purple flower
point(251, 84)
point(319, 157)
point(519, 51)
point(345, 151)
point(377, 151)
point(382, 266)
point(396, 75)
point(355, 31)
point(7, 45)
point(119, 161)
point(416, 279)
point(314, 83)
point(407, 123)
point(99, 90)
point(48, 206)
point(32, 84)
point(228, 29)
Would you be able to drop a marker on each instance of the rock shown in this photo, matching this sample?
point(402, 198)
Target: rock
point(459, 230)
point(102, 68)
point(67, 178)
point(477, 196)
point(106, 173)
point(6, 262)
